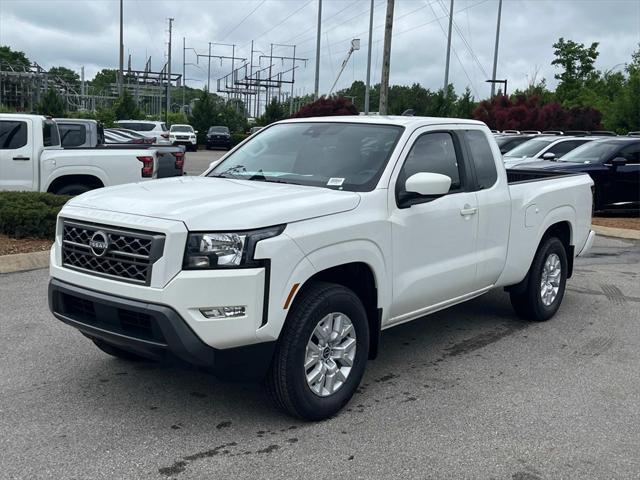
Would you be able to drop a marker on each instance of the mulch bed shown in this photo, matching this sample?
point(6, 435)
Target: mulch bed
point(10, 245)
point(615, 222)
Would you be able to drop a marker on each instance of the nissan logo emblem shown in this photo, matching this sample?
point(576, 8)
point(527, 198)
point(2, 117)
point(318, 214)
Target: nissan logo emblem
point(99, 243)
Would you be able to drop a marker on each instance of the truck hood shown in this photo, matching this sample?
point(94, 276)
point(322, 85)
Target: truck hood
point(203, 203)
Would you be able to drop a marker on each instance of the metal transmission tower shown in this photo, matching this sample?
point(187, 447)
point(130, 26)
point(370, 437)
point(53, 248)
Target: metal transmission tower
point(445, 89)
point(386, 59)
point(495, 52)
point(168, 108)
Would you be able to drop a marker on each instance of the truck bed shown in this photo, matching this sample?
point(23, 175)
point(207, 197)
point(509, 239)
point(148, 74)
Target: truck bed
point(534, 175)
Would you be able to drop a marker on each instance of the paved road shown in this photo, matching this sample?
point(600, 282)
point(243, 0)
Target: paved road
point(198, 162)
point(471, 392)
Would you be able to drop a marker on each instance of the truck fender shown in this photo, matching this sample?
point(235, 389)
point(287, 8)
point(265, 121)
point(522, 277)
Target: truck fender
point(75, 170)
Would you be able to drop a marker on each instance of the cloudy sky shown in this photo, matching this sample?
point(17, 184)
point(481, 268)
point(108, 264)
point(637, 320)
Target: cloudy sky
point(85, 32)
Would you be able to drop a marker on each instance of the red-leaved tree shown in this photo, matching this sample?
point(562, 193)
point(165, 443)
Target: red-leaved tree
point(326, 107)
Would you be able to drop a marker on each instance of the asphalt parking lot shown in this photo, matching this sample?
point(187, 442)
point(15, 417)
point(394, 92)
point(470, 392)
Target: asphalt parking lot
point(198, 162)
point(471, 392)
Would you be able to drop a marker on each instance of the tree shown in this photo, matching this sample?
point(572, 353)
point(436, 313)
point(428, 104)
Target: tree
point(51, 104)
point(465, 105)
point(125, 107)
point(67, 75)
point(326, 107)
point(272, 113)
point(13, 57)
point(103, 80)
point(202, 115)
point(578, 70)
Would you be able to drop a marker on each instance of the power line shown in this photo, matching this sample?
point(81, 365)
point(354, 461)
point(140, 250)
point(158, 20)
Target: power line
point(304, 32)
point(242, 21)
point(279, 23)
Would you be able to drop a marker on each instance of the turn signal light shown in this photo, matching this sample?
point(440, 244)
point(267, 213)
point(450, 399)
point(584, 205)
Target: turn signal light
point(179, 160)
point(147, 166)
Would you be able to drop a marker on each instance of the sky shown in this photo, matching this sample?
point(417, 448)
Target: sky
point(75, 33)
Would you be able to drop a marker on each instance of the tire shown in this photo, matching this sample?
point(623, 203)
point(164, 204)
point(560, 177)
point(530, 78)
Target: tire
point(73, 189)
point(115, 351)
point(287, 381)
point(529, 304)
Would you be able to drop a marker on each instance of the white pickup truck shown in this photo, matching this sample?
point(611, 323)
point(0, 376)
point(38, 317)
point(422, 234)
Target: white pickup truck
point(32, 159)
point(287, 259)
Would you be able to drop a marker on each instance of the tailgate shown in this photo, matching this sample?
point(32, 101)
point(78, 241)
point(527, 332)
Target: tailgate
point(170, 161)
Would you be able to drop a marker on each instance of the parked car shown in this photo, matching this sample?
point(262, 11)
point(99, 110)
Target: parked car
point(184, 135)
point(32, 159)
point(150, 128)
point(170, 158)
point(218, 136)
point(506, 143)
point(287, 259)
point(614, 166)
point(543, 147)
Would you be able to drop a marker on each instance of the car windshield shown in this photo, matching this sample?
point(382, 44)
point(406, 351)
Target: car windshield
point(592, 152)
point(218, 130)
point(339, 155)
point(530, 148)
point(181, 128)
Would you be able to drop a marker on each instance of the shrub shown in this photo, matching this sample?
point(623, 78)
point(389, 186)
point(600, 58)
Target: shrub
point(236, 138)
point(29, 214)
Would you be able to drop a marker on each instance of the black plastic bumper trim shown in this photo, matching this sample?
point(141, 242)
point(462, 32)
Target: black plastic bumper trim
point(249, 362)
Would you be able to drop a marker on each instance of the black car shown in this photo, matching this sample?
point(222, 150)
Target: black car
point(614, 165)
point(219, 137)
point(509, 142)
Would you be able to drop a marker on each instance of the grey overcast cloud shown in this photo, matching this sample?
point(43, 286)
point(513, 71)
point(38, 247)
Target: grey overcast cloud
point(75, 33)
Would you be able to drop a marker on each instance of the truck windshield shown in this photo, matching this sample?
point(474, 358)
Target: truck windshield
point(592, 152)
point(338, 155)
point(181, 128)
point(530, 148)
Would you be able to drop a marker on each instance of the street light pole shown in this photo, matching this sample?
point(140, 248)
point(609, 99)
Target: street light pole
point(368, 85)
point(495, 52)
point(209, 71)
point(317, 81)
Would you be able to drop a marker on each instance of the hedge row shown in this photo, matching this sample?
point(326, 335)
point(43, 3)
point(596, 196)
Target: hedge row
point(29, 214)
point(236, 138)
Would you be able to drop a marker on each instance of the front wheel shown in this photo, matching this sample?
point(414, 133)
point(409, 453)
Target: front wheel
point(322, 353)
point(73, 189)
point(543, 294)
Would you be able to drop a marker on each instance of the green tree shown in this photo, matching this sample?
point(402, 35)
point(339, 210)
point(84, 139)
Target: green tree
point(51, 104)
point(465, 105)
point(125, 107)
point(626, 108)
point(272, 113)
point(202, 115)
point(67, 75)
point(103, 80)
point(577, 69)
point(176, 118)
point(13, 57)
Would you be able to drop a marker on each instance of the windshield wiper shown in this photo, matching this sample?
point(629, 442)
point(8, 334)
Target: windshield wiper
point(233, 171)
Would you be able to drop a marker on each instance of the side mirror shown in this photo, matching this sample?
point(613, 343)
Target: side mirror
point(549, 156)
point(619, 162)
point(428, 184)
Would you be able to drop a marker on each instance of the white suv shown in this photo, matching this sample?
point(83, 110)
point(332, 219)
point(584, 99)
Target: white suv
point(148, 128)
point(183, 135)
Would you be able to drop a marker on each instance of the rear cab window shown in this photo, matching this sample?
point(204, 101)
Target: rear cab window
point(13, 134)
point(50, 135)
point(482, 157)
point(72, 135)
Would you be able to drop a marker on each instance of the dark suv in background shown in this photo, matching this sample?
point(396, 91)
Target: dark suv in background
point(218, 137)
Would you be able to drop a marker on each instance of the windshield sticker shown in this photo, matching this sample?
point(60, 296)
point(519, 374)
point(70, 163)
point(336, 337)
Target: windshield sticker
point(335, 182)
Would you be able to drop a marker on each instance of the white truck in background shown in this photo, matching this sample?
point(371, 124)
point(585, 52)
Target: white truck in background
point(286, 260)
point(32, 159)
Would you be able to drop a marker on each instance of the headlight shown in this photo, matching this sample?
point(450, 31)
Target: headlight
point(225, 250)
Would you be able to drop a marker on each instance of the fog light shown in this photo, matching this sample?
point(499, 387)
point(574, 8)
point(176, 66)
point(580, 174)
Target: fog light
point(224, 312)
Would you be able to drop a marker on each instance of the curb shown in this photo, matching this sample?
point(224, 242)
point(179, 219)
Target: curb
point(22, 262)
point(617, 232)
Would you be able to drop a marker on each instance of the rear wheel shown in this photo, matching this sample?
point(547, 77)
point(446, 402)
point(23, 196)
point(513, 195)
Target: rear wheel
point(73, 189)
point(115, 351)
point(322, 353)
point(542, 297)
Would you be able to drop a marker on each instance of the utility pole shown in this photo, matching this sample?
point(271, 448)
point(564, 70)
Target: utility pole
point(293, 81)
point(209, 71)
point(495, 52)
point(386, 59)
point(120, 70)
point(166, 119)
point(184, 75)
point(368, 85)
point(446, 67)
point(317, 83)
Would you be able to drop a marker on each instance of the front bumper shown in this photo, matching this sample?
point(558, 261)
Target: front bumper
point(219, 142)
point(152, 331)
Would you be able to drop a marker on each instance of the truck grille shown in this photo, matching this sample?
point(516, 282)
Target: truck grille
point(126, 255)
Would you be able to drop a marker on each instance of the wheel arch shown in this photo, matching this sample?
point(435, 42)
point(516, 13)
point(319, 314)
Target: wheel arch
point(83, 179)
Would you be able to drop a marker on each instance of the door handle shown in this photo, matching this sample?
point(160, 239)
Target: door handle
point(22, 158)
point(468, 210)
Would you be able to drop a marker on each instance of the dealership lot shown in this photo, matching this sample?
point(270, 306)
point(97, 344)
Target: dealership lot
point(198, 162)
point(471, 392)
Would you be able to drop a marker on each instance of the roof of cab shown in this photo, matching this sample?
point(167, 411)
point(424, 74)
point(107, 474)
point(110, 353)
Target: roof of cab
point(400, 120)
